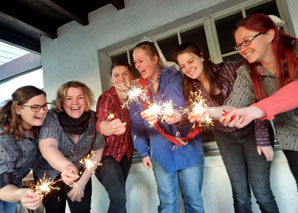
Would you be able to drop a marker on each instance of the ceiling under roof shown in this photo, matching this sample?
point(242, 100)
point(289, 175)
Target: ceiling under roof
point(22, 22)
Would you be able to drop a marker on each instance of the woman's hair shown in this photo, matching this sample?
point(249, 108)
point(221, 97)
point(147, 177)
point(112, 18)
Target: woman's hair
point(10, 121)
point(62, 93)
point(188, 85)
point(151, 50)
point(120, 63)
point(283, 48)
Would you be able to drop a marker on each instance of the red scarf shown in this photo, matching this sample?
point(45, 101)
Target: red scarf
point(176, 140)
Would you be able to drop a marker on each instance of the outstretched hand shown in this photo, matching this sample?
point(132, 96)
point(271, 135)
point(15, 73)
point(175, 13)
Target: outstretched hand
point(30, 199)
point(241, 116)
point(69, 175)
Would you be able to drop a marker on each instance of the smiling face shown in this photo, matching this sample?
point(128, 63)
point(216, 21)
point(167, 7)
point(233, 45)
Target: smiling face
point(191, 65)
point(121, 78)
point(30, 118)
point(74, 103)
point(147, 65)
point(260, 48)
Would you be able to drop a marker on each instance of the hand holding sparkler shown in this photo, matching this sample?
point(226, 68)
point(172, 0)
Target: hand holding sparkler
point(30, 199)
point(200, 117)
point(117, 127)
point(240, 117)
point(70, 174)
point(112, 126)
point(173, 118)
point(151, 114)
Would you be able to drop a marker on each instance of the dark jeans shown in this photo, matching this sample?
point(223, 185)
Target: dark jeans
point(55, 201)
point(292, 157)
point(113, 175)
point(246, 169)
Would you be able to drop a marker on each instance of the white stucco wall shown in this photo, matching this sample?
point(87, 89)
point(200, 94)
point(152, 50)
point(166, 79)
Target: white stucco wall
point(74, 56)
point(217, 195)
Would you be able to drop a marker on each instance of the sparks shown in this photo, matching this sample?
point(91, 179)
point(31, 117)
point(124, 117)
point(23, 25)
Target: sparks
point(198, 106)
point(44, 186)
point(133, 94)
point(111, 116)
point(167, 108)
point(87, 161)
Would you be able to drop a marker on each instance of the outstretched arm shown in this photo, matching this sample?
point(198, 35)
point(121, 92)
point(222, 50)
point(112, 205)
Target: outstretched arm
point(27, 197)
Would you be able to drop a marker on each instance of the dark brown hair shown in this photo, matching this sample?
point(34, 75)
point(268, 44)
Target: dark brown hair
point(10, 121)
point(120, 63)
point(188, 83)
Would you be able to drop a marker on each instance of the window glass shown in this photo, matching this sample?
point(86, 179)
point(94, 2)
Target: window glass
point(235, 57)
point(197, 36)
point(120, 57)
point(168, 47)
point(225, 27)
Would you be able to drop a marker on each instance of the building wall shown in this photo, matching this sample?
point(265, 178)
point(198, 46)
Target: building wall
point(74, 56)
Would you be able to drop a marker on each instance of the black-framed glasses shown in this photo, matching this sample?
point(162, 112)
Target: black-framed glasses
point(36, 108)
point(246, 42)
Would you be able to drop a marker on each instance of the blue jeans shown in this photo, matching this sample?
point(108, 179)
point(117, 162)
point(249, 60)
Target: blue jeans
point(246, 169)
point(113, 175)
point(189, 180)
point(7, 207)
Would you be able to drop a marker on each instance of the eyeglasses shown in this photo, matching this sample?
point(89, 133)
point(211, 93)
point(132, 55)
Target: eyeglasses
point(36, 108)
point(246, 42)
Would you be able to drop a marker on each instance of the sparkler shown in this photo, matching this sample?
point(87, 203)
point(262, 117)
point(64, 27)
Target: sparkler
point(198, 107)
point(44, 186)
point(111, 116)
point(87, 161)
point(133, 94)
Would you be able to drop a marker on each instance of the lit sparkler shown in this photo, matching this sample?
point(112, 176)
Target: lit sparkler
point(198, 106)
point(88, 162)
point(44, 186)
point(133, 94)
point(111, 116)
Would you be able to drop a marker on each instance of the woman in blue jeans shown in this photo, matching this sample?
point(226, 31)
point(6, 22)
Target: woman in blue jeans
point(247, 169)
point(174, 165)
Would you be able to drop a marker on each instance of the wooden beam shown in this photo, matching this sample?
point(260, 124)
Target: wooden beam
point(20, 39)
point(66, 12)
point(20, 65)
point(119, 4)
point(26, 22)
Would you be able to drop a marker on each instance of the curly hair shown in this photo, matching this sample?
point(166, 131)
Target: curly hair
point(62, 93)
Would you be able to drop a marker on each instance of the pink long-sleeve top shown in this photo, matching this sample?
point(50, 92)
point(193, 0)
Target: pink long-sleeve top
point(285, 99)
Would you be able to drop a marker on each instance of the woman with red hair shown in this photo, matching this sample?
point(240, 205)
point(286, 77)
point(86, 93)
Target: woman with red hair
point(271, 62)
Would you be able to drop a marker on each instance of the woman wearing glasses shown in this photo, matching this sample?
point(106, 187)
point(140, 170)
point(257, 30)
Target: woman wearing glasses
point(20, 119)
point(271, 62)
point(66, 137)
point(246, 169)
